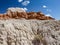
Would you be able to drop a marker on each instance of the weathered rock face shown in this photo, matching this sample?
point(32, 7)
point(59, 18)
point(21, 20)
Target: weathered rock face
point(18, 13)
point(30, 15)
point(16, 9)
point(29, 32)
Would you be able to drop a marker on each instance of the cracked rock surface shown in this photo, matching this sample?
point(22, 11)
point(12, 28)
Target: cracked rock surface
point(22, 32)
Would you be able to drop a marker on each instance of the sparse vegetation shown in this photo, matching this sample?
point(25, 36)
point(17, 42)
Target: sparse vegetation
point(38, 39)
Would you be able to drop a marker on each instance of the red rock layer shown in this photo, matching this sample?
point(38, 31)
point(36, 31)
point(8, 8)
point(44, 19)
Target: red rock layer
point(26, 15)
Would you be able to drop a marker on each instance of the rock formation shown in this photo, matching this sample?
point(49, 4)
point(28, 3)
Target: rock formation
point(16, 28)
point(29, 32)
point(19, 13)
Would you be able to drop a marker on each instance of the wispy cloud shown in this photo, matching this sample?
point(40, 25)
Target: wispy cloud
point(25, 3)
point(20, 0)
point(49, 10)
point(48, 15)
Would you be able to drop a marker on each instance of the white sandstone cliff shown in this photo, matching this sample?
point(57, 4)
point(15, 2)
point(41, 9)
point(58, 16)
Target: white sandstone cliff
point(23, 32)
point(17, 9)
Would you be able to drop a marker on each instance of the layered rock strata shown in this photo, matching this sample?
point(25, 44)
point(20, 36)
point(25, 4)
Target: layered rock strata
point(18, 13)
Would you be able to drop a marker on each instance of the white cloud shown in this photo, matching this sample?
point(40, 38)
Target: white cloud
point(44, 6)
point(20, 0)
point(25, 9)
point(25, 3)
point(48, 15)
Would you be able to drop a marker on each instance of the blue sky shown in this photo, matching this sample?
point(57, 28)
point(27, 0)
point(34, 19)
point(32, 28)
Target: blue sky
point(48, 7)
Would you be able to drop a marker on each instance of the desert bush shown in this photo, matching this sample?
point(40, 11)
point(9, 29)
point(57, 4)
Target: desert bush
point(38, 39)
